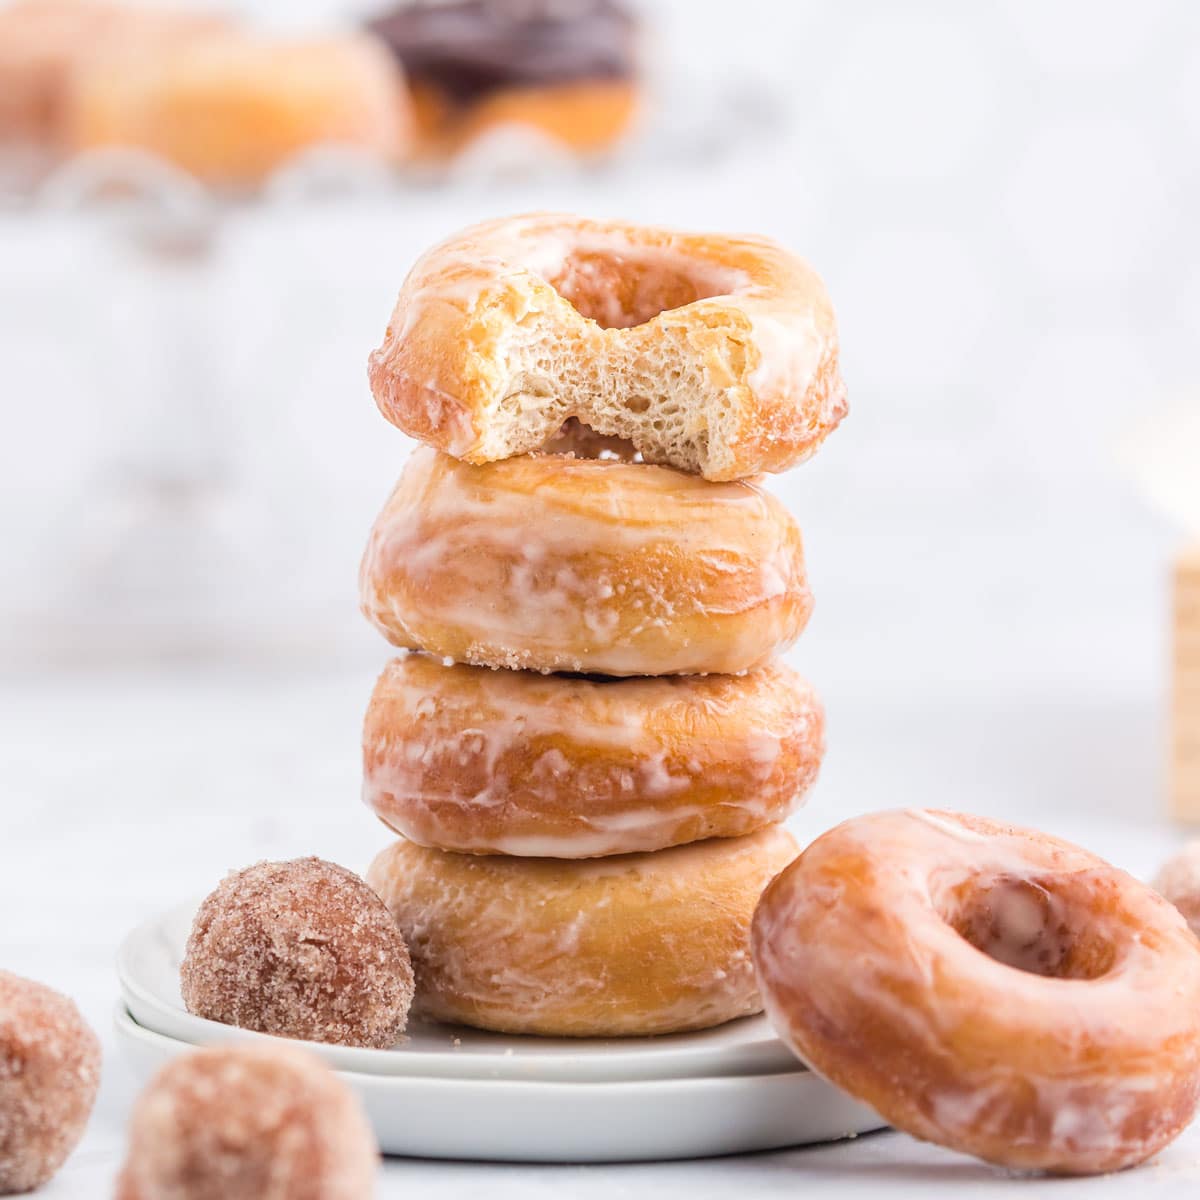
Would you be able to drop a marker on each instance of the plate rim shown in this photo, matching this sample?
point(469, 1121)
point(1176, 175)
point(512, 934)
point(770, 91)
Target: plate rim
point(452, 1062)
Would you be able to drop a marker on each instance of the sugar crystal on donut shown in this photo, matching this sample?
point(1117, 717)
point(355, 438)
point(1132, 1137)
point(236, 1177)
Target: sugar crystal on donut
point(252, 1122)
point(49, 1074)
point(302, 949)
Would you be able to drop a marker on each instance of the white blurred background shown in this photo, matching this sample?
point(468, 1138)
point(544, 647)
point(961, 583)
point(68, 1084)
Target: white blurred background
point(1002, 200)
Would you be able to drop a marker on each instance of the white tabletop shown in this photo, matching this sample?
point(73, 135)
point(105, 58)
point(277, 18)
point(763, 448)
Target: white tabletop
point(125, 793)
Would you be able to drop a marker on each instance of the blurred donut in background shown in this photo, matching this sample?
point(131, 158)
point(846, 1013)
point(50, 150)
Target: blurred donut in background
point(567, 68)
point(44, 44)
point(232, 109)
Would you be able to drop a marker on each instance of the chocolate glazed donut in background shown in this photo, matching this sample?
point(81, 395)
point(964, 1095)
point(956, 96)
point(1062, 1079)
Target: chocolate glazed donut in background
point(567, 68)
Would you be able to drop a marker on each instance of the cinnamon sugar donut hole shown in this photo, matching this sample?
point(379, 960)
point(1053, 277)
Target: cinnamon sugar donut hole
point(256, 1121)
point(509, 762)
point(302, 949)
point(713, 353)
point(1179, 882)
point(987, 988)
point(611, 947)
point(552, 563)
point(231, 110)
point(49, 1075)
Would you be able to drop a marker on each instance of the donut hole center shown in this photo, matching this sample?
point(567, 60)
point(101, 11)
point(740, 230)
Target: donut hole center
point(582, 441)
point(619, 291)
point(1033, 926)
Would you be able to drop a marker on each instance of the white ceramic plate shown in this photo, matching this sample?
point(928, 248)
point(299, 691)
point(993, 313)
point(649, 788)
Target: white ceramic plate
point(148, 969)
point(523, 1121)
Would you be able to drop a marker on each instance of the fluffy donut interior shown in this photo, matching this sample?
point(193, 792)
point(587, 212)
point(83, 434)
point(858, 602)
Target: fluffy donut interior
point(1044, 927)
point(667, 395)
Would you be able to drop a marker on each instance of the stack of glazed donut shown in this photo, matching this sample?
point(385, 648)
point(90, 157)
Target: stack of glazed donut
point(589, 744)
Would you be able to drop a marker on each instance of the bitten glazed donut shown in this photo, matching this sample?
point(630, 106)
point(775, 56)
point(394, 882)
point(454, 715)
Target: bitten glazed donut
point(551, 563)
point(987, 988)
point(638, 944)
point(232, 109)
point(509, 762)
point(716, 354)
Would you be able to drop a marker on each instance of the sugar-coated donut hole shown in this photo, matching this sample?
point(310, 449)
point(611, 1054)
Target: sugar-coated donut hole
point(246, 1122)
point(301, 949)
point(619, 290)
point(49, 1075)
point(1040, 926)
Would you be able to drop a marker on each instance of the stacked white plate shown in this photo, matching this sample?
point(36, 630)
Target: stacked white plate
point(449, 1092)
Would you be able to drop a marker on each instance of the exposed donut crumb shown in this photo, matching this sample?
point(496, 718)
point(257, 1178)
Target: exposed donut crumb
point(1179, 882)
point(49, 1074)
point(250, 1122)
point(302, 949)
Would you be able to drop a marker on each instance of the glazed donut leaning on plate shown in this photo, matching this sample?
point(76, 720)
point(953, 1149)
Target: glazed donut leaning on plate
point(716, 354)
point(1012, 996)
point(510, 762)
point(552, 563)
point(611, 947)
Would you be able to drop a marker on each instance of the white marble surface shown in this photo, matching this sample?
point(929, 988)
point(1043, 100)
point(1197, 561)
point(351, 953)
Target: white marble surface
point(124, 793)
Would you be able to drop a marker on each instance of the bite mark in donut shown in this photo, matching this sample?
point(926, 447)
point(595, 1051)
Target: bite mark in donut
point(716, 354)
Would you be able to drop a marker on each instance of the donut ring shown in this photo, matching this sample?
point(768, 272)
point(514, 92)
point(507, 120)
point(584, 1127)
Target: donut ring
point(1071, 1043)
point(233, 109)
point(713, 353)
point(508, 762)
point(559, 564)
point(613, 947)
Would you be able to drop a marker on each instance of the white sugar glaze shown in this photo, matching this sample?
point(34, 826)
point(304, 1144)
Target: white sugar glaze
point(550, 563)
point(635, 944)
point(714, 353)
point(1087, 1058)
point(478, 761)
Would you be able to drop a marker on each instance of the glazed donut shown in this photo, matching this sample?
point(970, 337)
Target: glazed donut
point(987, 988)
point(509, 762)
point(233, 109)
point(44, 44)
point(712, 353)
point(551, 563)
point(565, 67)
point(612, 947)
